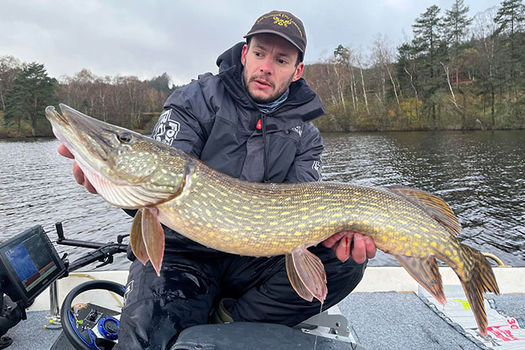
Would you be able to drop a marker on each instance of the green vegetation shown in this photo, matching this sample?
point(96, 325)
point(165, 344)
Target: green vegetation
point(25, 91)
point(458, 72)
point(31, 92)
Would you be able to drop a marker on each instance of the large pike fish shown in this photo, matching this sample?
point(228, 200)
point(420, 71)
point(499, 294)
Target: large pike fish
point(133, 171)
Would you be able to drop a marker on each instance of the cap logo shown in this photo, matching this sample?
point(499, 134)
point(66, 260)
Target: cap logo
point(282, 20)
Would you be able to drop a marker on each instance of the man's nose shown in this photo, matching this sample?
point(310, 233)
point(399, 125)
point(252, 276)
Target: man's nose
point(267, 66)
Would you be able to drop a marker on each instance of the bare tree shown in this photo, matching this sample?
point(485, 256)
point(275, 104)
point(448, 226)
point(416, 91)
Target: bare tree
point(360, 65)
point(384, 58)
point(9, 68)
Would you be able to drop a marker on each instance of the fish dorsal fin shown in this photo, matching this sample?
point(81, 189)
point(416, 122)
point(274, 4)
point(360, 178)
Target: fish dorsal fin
point(306, 274)
point(432, 205)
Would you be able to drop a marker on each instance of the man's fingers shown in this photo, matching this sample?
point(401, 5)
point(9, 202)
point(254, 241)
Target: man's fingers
point(342, 249)
point(63, 151)
point(81, 179)
point(346, 243)
point(333, 240)
point(359, 249)
point(89, 186)
point(370, 247)
point(78, 174)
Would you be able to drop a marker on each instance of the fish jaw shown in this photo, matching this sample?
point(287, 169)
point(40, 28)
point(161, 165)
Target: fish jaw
point(123, 166)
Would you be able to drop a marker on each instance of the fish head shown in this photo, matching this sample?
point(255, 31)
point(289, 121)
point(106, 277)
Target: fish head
point(128, 169)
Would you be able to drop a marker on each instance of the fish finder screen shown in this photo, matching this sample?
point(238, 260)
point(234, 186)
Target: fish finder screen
point(31, 261)
point(28, 264)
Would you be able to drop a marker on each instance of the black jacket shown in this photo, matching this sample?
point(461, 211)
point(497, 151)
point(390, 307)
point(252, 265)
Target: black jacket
point(214, 119)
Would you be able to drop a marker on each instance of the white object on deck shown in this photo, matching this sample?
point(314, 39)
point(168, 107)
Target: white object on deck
point(376, 279)
point(397, 279)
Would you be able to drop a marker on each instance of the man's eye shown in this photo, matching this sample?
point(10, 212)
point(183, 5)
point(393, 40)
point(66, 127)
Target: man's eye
point(281, 61)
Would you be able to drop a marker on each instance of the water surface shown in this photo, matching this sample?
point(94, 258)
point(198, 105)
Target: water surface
point(480, 174)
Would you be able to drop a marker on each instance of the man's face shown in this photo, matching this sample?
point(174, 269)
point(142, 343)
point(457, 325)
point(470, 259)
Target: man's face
point(269, 67)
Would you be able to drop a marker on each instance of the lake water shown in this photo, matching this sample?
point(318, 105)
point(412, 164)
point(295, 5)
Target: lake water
point(480, 174)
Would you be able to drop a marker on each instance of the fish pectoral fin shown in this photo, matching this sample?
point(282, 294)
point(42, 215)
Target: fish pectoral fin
point(434, 206)
point(426, 272)
point(306, 274)
point(136, 239)
point(153, 236)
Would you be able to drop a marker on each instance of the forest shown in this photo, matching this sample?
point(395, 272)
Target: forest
point(457, 72)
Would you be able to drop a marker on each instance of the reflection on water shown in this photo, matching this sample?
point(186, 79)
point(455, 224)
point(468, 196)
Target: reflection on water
point(480, 174)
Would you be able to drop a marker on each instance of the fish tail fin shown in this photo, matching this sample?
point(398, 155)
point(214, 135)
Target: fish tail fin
point(481, 279)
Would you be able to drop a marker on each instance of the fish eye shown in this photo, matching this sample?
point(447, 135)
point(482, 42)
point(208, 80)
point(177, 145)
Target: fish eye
point(125, 137)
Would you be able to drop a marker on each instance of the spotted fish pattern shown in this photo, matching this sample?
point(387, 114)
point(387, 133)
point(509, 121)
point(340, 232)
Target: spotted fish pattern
point(172, 188)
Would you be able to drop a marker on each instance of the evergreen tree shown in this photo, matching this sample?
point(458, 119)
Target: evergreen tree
point(510, 17)
point(456, 22)
point(32, 91)
point(510, 21)
point(455, 28)
point(428, 44)
point(161, 83)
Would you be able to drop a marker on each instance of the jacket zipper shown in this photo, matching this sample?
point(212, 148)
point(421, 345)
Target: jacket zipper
point(265, 151)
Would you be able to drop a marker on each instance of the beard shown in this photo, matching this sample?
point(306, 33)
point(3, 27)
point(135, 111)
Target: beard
point(277, 91)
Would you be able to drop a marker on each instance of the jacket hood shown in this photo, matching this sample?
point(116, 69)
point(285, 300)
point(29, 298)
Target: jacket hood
point(230, 72)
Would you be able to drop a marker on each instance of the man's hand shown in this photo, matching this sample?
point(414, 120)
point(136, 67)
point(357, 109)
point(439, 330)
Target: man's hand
point(77, 172)
point(346, 243)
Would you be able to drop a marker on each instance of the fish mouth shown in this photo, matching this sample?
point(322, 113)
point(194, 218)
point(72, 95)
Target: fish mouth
point(73, 128)
point(58, 123)
point(95, 146)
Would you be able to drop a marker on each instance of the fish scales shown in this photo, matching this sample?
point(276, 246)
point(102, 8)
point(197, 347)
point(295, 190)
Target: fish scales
point(168, 186)
point(259, 210)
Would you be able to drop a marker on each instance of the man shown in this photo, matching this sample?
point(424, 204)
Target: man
point(251, 121)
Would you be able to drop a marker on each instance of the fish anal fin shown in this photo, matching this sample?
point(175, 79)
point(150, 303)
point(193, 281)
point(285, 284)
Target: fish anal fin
point(306, 274)
point(434, 206)
point(426, 272)
point(481, 280)
point(136, 239)
point(153, 235)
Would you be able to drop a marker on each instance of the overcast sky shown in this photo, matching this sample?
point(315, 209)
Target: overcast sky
point(184, 37)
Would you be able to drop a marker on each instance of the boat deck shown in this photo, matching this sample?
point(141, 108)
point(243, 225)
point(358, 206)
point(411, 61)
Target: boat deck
point(378, 318)
point(402, 321)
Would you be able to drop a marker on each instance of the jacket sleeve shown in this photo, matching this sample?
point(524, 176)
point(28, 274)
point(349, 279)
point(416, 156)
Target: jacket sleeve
point(181, 125)
point(308, 163)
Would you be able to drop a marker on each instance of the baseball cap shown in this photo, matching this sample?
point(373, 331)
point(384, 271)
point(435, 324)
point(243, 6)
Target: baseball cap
point(281, 23)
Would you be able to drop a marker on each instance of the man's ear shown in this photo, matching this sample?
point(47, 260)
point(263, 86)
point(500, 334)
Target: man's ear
point(243, 54)
point(298, 71)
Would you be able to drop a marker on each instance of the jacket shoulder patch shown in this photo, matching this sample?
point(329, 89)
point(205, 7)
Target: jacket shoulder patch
point(167, 128)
